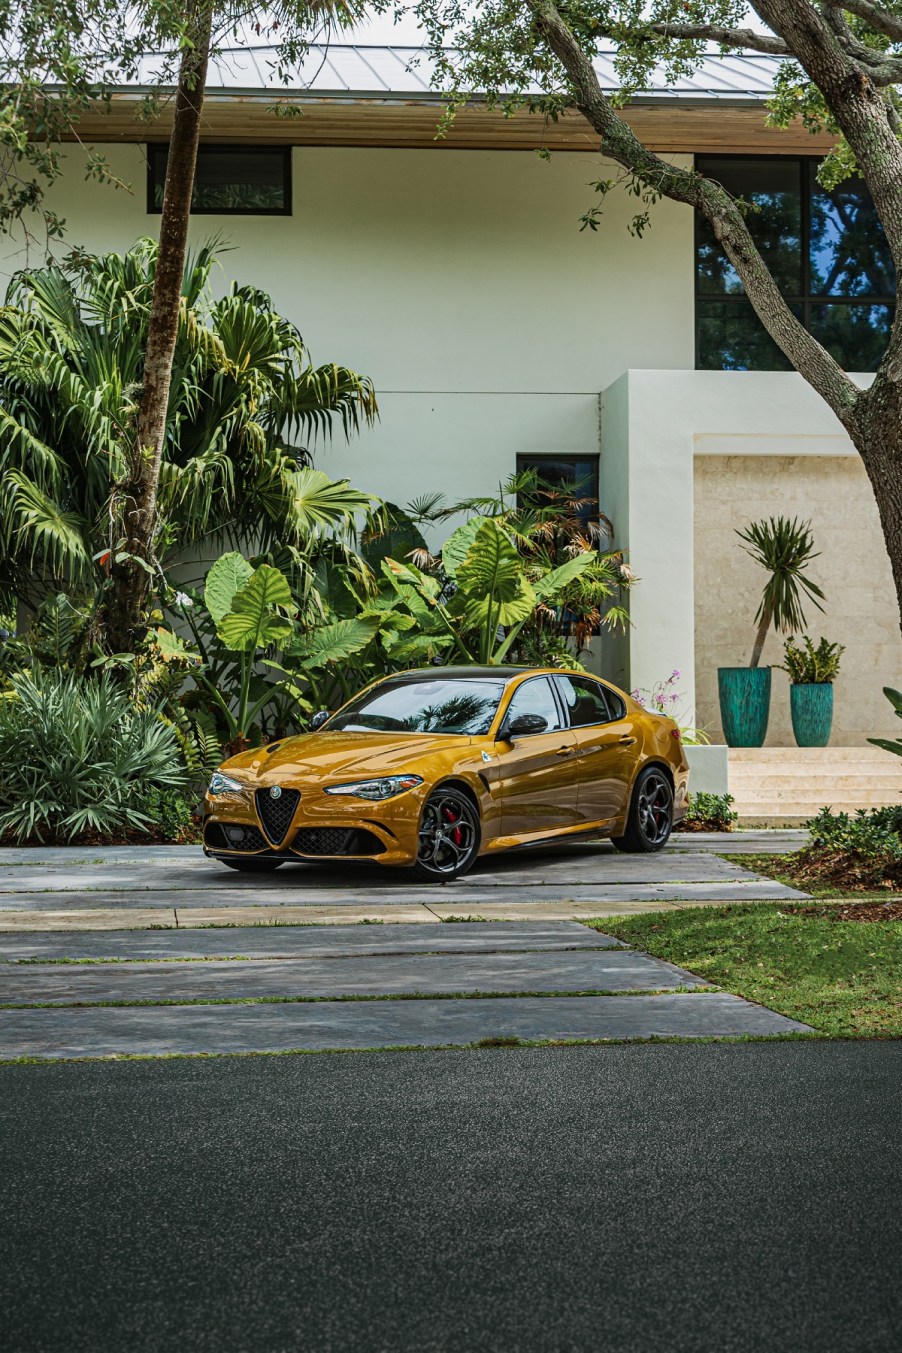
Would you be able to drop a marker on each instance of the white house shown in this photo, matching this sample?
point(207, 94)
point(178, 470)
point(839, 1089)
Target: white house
point(453, 272)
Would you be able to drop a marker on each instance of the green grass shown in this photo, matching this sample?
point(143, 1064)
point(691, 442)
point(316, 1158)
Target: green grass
point(844, 978)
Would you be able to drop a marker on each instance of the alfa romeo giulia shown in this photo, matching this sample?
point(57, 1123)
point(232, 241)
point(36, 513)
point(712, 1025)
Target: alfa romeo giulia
point(433, 768)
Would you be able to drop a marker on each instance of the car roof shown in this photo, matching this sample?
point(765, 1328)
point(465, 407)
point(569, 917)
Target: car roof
point(506, 673)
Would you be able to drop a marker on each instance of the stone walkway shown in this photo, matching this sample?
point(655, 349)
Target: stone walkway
point(109, 1001)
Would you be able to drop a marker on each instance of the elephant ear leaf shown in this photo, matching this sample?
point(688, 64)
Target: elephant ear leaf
point(251, 623)
point(558, 578)
point(227, 576)
point(457, 546)
point(333, 643)
point(492, 567)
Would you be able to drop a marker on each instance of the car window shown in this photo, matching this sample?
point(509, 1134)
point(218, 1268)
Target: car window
point(536, 697)
point(586, 701)
point(422, 705)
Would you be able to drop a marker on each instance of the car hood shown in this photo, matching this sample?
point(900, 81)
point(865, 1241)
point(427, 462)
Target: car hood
point(342, 756)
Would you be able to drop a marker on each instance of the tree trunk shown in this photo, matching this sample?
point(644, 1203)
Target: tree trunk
point(767, 616)
point(878, 440)
point(134, 562)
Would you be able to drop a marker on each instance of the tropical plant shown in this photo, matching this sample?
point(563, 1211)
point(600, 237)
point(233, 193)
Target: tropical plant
point(709, 813)
point(808, 665)
point(784, 549)
point(895, 746)
point(77, 757)
point(242, 398)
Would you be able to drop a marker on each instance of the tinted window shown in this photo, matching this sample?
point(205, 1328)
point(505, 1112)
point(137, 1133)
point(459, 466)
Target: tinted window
point(424, 706)
point(585, 701)
point(827, 252)
point(536, 697)
point(229, 181)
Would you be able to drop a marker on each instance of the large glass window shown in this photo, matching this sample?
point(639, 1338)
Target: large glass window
point(229, 180)
point(574, 477)
point(827, 252)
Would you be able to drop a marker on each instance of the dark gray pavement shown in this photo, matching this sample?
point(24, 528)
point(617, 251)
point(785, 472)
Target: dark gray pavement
point(338, 941)
point(108, 1031)
point(707, 1199)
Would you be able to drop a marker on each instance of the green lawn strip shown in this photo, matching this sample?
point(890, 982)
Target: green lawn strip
point(501, 1043)
point(844, 978)
point(391, 996)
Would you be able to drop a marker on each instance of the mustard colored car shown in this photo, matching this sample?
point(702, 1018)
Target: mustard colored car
point(436, 767)
point(433, 768)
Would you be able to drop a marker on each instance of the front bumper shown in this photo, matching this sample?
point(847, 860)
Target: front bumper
point(323, 827)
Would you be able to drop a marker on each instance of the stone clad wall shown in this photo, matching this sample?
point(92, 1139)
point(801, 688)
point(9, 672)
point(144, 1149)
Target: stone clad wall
point(853, 570)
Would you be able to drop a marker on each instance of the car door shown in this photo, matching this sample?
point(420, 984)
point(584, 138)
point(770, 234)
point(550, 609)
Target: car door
point(607, 741)
point(538, 772)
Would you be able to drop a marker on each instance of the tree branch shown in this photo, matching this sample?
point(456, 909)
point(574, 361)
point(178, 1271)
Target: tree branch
point(620, 143)
point(890, 25)
point(727, 37)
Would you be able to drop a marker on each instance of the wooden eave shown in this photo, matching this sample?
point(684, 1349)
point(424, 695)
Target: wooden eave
point(666, 125)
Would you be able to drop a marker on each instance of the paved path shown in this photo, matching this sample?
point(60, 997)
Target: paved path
point(718, 1198)
point(490, 980)
point(136, 887)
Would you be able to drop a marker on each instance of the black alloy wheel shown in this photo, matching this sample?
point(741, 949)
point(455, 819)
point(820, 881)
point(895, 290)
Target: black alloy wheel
point(449, 836)
point(252, 864)
point(650, 819)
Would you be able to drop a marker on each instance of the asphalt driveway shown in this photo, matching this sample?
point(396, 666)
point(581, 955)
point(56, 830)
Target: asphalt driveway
point(737, 1198)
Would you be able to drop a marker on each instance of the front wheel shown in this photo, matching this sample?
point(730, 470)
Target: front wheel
point(650, 819)
point(449, 836)
point(254, 864)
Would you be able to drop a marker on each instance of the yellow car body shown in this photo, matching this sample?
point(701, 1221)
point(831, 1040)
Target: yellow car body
point(560, 782)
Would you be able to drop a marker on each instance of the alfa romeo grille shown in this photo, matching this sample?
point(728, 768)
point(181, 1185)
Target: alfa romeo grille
point(234, 836)
point(276, 814)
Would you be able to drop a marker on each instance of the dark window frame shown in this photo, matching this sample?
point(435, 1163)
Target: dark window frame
point(805, 301)
point(609, 699)
point(283, 152)
point(548, 678)
point(526, 460)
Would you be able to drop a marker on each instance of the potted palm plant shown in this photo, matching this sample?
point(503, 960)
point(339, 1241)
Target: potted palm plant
point(784, 549)
point(812, 672)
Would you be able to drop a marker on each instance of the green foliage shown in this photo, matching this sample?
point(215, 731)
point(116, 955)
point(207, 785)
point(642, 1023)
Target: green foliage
point(870, 842)
point(895, 699)
point(243, 395)
point(807, 664)
point(78, 757)
point(171, 815)
point(784, 549)
point(710, 813)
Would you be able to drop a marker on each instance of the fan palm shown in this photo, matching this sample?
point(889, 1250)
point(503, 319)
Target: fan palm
point(244, 399)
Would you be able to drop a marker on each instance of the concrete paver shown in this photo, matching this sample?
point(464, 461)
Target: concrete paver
point(303, 941)
point(107, 1031)
point(370, 975)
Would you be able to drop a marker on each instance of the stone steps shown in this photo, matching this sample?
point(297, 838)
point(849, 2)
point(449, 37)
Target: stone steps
point(775, 786)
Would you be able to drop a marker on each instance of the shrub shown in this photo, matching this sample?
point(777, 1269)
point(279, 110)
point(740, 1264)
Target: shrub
point(808, 665)
point(170, 812)
point(857, 850)
point(76, 756)
point(709, 813)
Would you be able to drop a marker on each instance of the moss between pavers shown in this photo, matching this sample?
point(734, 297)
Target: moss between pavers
point(841, 977)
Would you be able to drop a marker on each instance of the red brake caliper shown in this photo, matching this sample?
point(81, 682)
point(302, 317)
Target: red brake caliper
point(456, 834)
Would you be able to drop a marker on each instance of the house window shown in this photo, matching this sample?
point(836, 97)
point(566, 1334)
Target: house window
point(575, 476)
point(229, 180)
point(827, 252)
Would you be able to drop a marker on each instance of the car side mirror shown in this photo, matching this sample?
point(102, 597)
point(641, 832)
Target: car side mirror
point(522, 726)
point(318, 719)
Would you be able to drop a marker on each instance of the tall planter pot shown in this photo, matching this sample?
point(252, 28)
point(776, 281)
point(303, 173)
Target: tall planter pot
point(744, 704)
point(811, 706)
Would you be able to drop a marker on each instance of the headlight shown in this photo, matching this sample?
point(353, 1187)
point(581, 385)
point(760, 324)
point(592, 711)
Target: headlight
point(224, 784)
point(383, 788)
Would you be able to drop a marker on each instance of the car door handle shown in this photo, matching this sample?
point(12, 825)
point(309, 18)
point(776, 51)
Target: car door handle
point(627, 741)
point(564, 751)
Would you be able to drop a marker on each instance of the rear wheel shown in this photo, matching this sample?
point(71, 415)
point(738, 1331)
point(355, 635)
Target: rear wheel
point(449, 836)
point(254, 864)
point(650, 819)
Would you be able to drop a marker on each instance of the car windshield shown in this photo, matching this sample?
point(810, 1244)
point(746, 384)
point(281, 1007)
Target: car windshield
point(427, 705)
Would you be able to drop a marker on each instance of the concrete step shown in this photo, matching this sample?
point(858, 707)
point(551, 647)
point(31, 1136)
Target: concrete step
point(782, 785)
point(810, 755)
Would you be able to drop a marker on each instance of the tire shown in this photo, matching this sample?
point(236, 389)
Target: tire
point(650, 819)
point(252, 865)
point(450, 836)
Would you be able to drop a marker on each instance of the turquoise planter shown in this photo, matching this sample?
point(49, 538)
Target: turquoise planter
point(744, 704)
point(811, 706)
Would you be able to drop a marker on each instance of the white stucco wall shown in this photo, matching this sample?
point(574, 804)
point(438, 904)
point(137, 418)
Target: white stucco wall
point(656, 428)
point(460, 282)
